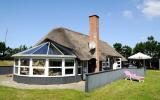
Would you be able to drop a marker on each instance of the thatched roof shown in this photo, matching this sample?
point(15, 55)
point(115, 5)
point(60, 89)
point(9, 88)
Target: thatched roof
point(78, 42)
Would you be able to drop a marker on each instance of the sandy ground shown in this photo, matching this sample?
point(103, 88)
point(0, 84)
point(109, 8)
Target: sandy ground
point(7, 80)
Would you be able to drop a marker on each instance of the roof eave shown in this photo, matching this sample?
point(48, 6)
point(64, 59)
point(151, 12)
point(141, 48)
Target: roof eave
point(45, 56)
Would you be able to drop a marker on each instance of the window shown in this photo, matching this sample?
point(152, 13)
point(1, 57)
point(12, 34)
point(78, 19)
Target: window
point(37, 71)
point(55, 67)
point(104, 64)
point(16, 62)
point(24, 66)
point(38, 66)
point(107, 64)
point(69, 63)
point(24, 71)
point(55, 63)
point(38, 62)
point(16, 70)
point(53, 50)
point(42, 50)
point(55, 71)
point(69, 67)
point(117, 59)
point(68, 71)
point(24, 62)
point(79, 70)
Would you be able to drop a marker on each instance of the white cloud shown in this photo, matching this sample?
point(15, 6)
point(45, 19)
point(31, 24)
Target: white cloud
point(128, 14)
point(150, 8)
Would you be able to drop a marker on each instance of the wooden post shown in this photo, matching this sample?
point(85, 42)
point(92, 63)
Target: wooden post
point(143, 62)
point(150, 64)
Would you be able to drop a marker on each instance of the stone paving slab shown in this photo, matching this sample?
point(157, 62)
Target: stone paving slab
point(7, 80)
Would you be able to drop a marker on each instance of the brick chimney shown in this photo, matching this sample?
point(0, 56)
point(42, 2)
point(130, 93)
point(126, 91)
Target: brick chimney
point(94, 36)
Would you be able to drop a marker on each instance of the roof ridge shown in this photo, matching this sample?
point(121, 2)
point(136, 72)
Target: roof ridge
point(70, 31)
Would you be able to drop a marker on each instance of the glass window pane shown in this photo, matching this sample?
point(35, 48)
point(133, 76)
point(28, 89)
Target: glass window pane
point(103, 64)
point(38, 71)
point(68, 71)
point(64, 50)
point(55, 71)
point(79, 63)
point(24, 71)
point(55, 62)
point(53, 51)
point(16, 62)
point(79, 70)
point(117, 59)
point(38, 62)
point(42, 50)
point(24, 62)
point(107, 64)
point(69, 63)
point(16, 70)
point(30, 51)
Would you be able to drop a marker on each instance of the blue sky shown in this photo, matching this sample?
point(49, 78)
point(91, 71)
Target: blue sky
point(124, 21)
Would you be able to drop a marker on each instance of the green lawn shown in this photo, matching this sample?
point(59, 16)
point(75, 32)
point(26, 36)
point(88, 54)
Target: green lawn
point(6, 63)
point(119, 90)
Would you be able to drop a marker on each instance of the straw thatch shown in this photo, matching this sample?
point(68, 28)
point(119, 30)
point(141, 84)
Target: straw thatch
point(78, 42)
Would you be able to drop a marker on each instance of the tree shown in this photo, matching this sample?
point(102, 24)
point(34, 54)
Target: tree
point(126, 51)
point(140, 47)
point(2, 49)
point(118, 47)
point(150, 47)
point(158, 50)
point(7, 52)
point(19, 49)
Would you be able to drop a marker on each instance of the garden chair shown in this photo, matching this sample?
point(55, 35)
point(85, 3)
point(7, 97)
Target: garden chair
point(132, 76)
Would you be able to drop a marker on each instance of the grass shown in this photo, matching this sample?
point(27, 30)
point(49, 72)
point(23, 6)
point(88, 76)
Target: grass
point(125, 90)
point(6, 63)
point(119, 90)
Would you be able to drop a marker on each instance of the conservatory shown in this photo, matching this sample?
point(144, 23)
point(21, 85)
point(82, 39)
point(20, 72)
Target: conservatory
point(46, 60)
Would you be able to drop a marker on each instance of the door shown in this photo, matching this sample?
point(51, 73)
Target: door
point(92, 65)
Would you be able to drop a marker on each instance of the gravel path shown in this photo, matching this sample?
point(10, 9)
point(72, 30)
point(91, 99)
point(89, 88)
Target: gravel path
point(7, 80)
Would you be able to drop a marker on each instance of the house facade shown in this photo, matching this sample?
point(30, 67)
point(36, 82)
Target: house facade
point(65, 56)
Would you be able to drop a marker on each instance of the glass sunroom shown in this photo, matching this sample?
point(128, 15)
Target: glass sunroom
point(46, 60)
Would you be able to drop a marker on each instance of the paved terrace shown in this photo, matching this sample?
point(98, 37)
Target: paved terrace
point(7, 80)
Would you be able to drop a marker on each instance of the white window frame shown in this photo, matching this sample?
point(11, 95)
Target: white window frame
point(79, 66)
point(16, 66)
point(55, 67)
point(42, 67)
point(46, 67)
point(70, 67)
point(23, 67)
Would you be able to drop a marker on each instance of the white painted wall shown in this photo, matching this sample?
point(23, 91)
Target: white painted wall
point(117, 64)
